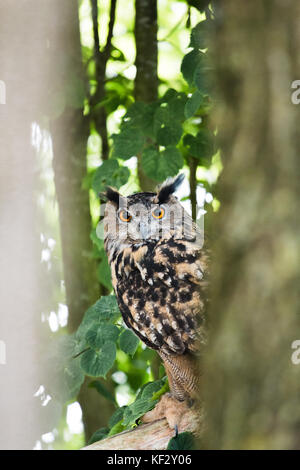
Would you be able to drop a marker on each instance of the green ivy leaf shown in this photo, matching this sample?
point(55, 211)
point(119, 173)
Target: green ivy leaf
point(104, 310)
point(203, 76)
point(141, 116)
point(137, 409)
point(199, 35)
point(116, 417)
point(128, 143)
point(98, 335)
point(169, 135)
point(184, 441)
point(104, 274)
point(202, 146)
point(159, 165)
point(193, 104)
point(110, 173)
point(96, 363)
point(176, 106)
point(128, 342)
point(189, 65)
point(65, 375)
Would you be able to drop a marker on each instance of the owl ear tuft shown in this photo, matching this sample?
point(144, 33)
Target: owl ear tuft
point(111, 195)
point(168, 188)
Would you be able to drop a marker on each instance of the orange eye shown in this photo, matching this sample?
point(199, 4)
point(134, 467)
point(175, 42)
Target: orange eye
point(158, 213)
point(124, 216)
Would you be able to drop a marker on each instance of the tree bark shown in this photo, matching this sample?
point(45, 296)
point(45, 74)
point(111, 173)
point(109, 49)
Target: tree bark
point(252, 387)
point(146, 80)
point(69, 134)
point(22, 278)
point(152, 436)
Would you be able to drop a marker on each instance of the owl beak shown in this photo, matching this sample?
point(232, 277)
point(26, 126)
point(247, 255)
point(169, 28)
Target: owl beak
point(144, 230)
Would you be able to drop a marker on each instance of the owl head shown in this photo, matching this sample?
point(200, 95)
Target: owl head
point(144, 217)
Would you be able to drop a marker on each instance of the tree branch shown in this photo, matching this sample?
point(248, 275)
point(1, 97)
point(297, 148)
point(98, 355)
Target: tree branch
point(111, 24)
point(94, 5)
point(99, 115)
point(151, 436)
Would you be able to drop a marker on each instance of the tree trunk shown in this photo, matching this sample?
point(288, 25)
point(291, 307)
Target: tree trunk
point(252, 387)
point(69, 133)
point(146, 81)
point(22, 285)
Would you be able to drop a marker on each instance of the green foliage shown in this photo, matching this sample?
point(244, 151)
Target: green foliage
point(97, 361)
point(129, 342)
point(110, 173)
point(66, 376)
point(145, 401)
point(158, 131)
point(158, 165)
point(184, 441)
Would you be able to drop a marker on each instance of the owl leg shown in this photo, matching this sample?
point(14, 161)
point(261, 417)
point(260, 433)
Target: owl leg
point(176, 405)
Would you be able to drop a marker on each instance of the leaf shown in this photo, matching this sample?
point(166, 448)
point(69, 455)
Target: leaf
point(184, 441)
point(116, 429)
point(193, 104)
point(102, 390)
point(98, 435)
point(104, 274)
point(189, 65)
point(176, 106)
point(151, 390)
point(199, 35)
point(145, 401)
point(127, 143)
point(202, 146)
point(116, 417)
point(65, 376)
point(104, 310)
point(199, 4)
point(96, 240)
point(137, 409)
point(141, 115)
point(159, 165)
point(110, 173)
point(96, 363)
point(169, 135)
point(204, 78)
point(129, 342)
point(98, 335)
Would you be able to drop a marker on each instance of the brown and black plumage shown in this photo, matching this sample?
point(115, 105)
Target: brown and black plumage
point(159, 274)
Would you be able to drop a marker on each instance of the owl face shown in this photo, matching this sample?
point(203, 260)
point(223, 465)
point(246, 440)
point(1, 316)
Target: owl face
point(145, 217)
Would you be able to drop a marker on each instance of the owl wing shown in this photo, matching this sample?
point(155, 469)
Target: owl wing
point(161, 291)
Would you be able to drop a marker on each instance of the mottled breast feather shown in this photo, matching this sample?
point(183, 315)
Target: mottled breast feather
point(161, 291)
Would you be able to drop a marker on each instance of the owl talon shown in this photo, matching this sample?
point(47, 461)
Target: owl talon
point(171, 409)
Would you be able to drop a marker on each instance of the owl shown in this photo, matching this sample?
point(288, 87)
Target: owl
point(159, 272)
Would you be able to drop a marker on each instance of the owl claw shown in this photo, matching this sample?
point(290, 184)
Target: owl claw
point(171, 409)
